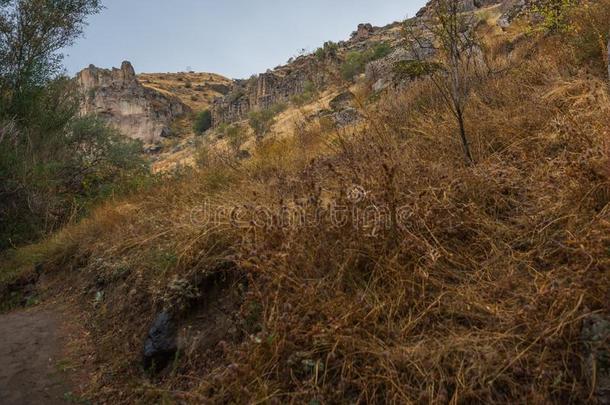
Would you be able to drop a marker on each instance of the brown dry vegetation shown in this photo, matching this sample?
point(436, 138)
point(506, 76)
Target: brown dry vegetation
point(191, 88)
point(477, 297)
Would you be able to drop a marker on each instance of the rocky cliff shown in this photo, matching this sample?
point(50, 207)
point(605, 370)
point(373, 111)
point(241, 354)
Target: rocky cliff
point(117, 96)
point(280, 84)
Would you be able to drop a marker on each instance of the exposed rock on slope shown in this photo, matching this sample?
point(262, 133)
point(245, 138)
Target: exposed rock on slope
point(283, 82)
point(264, 90)
point(118, 97)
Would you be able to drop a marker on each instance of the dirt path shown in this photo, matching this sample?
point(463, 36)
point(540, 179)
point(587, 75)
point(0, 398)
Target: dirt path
point(30, 350)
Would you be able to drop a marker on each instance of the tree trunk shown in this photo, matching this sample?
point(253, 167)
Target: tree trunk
point(460, 116)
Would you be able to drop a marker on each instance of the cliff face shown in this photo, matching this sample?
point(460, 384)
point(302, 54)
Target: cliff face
point(266, 89)
point(280, 84)
point(117, 96)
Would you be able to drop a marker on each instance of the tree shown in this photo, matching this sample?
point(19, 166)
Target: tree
point(32, 34)
point(53, 164)
point(203, 122)
point(450, 35)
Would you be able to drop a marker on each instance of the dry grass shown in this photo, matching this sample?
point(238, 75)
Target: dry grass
point(191, 88)
point(476, 295)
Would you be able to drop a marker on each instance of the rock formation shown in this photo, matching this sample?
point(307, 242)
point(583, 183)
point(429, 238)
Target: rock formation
point(118, 97)
point(363, 33)
point(263, 91)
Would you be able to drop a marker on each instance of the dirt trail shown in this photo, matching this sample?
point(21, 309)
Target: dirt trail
point(30, 349)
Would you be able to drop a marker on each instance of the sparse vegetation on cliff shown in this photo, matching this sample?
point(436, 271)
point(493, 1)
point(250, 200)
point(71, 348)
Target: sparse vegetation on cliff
point(261, 121)
point(355, 61)
point(203, 122)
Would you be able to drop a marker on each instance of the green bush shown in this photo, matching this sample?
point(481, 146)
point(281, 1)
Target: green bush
point(53, 164)
point(203, 122)
point(412, 69)
point(235, 137)
point(356, 61)
point(552, 16)
point(308, 94)
point(327, 51)
point(48, 179)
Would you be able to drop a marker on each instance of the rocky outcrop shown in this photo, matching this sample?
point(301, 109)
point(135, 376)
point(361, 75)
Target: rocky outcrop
point(263, 91)
point(117, 96)
point(364, 32)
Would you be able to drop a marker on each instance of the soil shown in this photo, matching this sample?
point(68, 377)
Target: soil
point(31, 348)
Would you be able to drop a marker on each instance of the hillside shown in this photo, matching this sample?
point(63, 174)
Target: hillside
point(196, 90)
point(370, 223)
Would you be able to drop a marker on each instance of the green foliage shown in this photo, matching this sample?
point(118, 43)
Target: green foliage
point(234, 134)
point(589, 37)
point(52, 177)
point(355, 61)
point(308, 94)
point(552, 16)
point(261, 121)
point(203, 122)
point(327, 51)
point(236, 137)
point(53, 165)
point(412, 69)
point(32, 34)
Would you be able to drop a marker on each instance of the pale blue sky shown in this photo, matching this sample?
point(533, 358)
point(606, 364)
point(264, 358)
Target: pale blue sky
point(235, 38)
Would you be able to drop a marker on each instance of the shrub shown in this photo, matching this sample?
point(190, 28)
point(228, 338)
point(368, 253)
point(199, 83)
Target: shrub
point(356, 61)
point(552, 16)
point(203, 122)
point(261, 121)
point(61, 175)
point(589, 37)
point(327, 51)
point(235, 137)
point(412, 69)
point(308, 94)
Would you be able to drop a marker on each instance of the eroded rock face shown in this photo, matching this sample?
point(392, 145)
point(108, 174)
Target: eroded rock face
point(363, 32)
point(117, 96)
point(262, 91)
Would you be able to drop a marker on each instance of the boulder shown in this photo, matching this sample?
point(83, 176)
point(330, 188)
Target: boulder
point(346, 117)
point(342, 101)
point(596, 340)
point(160, 345)
point(362, 33)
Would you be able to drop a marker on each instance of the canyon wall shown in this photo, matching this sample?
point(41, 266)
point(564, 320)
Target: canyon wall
point(118, 97)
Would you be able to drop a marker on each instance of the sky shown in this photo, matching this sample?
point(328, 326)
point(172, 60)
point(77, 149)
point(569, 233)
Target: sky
point(235, 38)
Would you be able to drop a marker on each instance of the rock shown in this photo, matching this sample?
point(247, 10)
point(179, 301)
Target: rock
point(153, 149)
point(596, 339)
point(262, 91)
point(346, 117)
point(363, 32)
point(342, 101)
point(380, 85)
point(160, 346)
point(120, 99)
point(220, 88)
point(243, 154)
